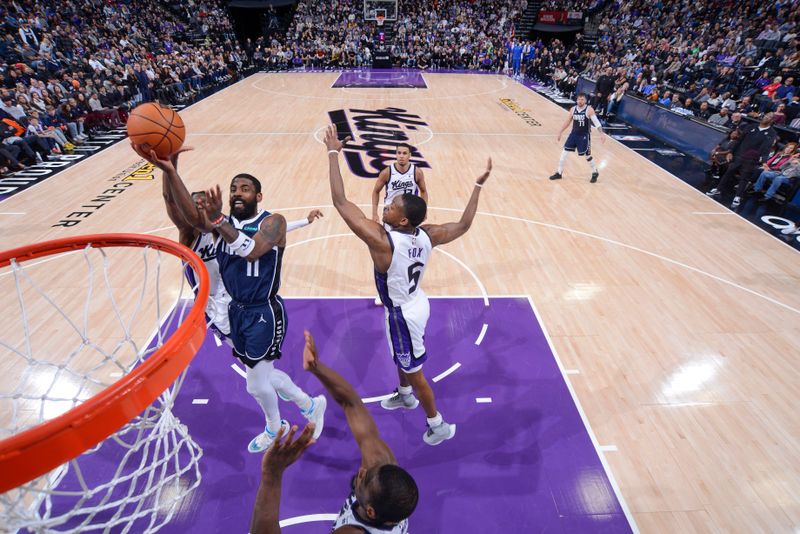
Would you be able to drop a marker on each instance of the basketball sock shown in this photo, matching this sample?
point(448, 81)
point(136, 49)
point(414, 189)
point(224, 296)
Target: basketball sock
point(289, 390)
point(591, 164)
point(260, 387)
point(405, 390)
point(436, 420)
point(564, 155)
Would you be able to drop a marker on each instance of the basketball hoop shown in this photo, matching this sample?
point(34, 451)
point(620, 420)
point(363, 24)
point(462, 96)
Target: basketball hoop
point(379, 20)
point(49, 443)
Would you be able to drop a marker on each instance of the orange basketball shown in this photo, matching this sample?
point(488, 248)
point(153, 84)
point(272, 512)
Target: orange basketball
point(155, 127)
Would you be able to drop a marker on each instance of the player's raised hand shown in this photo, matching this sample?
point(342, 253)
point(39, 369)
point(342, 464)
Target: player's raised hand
point(283, 453)
point(167, 165)
point(310, 358)
point(332, 139)
point(174, 157)
point(313, 215)
point(212, 204)
point(485, 176)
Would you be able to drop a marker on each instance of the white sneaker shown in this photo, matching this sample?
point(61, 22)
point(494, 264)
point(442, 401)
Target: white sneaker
point(378, 301)
point(439, 433)
point(262, 442)
point(714, 192)
point(736, 202)
point(316, 414)
point(409, 402)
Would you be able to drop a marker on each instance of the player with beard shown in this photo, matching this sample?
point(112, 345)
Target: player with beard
point(194, 231)
point(249, 257)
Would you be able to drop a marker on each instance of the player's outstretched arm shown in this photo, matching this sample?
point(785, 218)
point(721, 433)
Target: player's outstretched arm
point(423, 187)
point(181, 210)
point(280, 455)
point(373, 449)
point(444, 233)
point(380, 183)
point(367, 230)
point(271, 232)
point(312, 216)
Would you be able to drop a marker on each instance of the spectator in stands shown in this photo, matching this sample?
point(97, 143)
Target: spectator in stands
point(682, 109)
point(720, 118)
point(720, 155)
point(787, 173)
point(736, 121)
point(704, 112)
point(780, 115)
point(615, 99)
point(603, 89)
point(752, 149)
point(729, 102)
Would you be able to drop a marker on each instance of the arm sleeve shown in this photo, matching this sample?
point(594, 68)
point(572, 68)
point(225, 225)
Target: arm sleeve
point(294, 225)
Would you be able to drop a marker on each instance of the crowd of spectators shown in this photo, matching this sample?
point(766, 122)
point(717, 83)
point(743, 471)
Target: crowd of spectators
point(444, 34)
point(68, 70)
point(732, 64)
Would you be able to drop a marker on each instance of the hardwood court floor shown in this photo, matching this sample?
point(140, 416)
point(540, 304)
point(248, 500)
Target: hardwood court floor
point(680, 320)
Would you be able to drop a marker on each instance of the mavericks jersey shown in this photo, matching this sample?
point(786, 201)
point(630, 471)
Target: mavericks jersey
point(250, 282)
point(580, 122)
point(401, 182)
point(348, 517)
point(410, 254)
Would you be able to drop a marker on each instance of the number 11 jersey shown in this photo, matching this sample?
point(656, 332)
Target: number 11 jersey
point(410, 254)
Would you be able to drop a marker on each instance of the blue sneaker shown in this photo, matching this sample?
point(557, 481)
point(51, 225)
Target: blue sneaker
point(316, 414)
point(262, 442)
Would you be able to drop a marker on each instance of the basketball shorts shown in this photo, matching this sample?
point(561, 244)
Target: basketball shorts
point(257, 330)
point(405, 332)
point(217, 312)
point(580, 142)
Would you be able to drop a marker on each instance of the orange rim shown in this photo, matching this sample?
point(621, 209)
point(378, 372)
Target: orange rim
point(34, 452)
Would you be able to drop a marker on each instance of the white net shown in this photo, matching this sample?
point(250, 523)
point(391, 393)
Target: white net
point(77, 323)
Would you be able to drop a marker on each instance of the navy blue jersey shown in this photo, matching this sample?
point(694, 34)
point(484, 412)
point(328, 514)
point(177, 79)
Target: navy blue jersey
point(250, 282)
point(580, 122)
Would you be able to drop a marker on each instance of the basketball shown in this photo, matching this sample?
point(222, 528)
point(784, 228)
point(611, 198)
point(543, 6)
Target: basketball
point(156, 127)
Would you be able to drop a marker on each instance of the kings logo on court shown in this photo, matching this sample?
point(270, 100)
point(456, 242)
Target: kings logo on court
point(375, 135)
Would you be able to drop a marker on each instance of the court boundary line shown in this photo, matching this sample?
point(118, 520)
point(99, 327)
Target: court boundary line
point(585, 419)
point(583, 234)
point(678, 178)
point(501, 78)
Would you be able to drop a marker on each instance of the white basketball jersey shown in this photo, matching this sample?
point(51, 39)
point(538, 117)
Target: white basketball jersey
point(401, 182)
point(205, 247)
point(410, 253)
point(347, 517)
point(217, 306)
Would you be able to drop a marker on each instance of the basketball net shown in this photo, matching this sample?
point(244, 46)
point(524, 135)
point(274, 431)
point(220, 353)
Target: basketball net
point(79, 334)
point(379, 19)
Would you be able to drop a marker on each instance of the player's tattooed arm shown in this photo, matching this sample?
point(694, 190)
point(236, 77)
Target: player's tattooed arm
point(271, 233)
point(444, 233)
